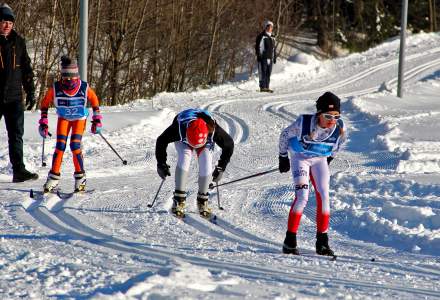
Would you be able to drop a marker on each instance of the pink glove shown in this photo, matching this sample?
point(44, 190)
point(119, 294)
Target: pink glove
point(43, 129)
point(96, 124)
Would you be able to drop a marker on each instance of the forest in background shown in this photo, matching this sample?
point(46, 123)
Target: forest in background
point(138, 48)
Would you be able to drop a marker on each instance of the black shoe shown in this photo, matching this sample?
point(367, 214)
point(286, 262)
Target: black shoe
point(24, 175)
point(322, 247)
point(287, 250)
point(289, 245)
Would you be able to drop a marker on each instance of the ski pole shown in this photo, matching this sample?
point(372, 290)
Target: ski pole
point(43, 162)
point(218, 198)
point(211, 186)
point(124, 162)
point(157, 193)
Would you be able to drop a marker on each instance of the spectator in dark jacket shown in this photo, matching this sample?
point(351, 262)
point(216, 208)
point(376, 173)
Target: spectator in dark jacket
point(15, 74)
point(266, 55)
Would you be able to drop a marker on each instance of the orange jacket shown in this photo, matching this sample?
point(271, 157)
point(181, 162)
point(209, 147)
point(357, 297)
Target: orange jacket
point(49, 98)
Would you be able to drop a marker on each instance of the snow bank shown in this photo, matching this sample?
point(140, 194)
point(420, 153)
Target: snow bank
point(398, 213)
point(411, 123)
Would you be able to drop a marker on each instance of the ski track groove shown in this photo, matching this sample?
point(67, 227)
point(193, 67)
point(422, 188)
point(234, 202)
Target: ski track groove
point(340, 84)
point(163, 257)
point(97, 237)
point(274, 202)
point(226, 235)
point(227, 232)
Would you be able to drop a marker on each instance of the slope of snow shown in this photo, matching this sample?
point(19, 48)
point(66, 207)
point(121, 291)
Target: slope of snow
point(107, 244)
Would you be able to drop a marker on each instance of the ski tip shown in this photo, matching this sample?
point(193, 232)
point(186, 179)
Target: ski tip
point(31, 193)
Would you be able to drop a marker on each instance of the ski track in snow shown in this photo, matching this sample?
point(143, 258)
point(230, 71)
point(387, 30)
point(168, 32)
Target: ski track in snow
point(109, 243)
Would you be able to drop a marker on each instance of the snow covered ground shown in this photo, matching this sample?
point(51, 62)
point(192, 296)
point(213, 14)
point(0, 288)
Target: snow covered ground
point(107, 244)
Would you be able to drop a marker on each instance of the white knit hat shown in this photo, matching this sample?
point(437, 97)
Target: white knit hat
point(267, 23)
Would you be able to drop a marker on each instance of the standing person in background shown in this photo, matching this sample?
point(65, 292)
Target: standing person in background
point(312, 141)
point(194, 133)
point(266, 55)
point(70, 96)
point(15, 74)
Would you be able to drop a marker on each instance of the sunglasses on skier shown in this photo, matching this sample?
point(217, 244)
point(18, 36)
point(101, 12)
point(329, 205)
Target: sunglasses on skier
point(330, 117)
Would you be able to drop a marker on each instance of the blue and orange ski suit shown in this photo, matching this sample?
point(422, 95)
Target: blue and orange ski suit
point(72, 114)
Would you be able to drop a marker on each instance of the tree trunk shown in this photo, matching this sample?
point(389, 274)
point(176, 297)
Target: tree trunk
point(432, 16)
point(91, 60)
point(49, 48)
point(213, 39)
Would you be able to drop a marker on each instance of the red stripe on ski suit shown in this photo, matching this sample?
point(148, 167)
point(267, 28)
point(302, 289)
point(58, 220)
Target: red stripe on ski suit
point(322, 219)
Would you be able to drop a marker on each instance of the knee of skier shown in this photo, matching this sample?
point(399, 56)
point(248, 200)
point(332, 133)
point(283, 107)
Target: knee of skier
point(61, 146)
point(75, 146)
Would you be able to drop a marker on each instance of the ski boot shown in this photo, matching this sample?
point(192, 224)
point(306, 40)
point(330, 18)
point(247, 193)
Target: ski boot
point(202, 205)
point(23, 175)
point(289, 245)
point(178, 207)
point(51, 183)
point(322, 247)
point(80, 182)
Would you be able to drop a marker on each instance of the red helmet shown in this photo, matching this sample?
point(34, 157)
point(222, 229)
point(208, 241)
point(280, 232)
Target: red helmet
point(197, 133)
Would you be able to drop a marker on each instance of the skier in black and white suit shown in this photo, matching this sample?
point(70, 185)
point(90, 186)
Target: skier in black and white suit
point(194, 133)
point(266, 55)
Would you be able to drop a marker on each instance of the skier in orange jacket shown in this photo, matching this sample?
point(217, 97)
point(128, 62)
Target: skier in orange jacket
point(70, 96)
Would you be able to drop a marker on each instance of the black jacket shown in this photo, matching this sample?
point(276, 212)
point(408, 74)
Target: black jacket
point(171, 134)
point(15, 69)
point(265, 47)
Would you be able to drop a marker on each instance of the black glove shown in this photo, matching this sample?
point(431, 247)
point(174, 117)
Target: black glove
point(217, 174)
point(163, 170)
point(329, 159)
point(30, 101)
point(284, 164)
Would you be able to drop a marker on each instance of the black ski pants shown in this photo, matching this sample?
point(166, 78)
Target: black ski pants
point(14, 119)
point(264, 71)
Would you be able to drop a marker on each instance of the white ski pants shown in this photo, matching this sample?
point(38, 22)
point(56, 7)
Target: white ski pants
point(184, 156)
point(316, 169)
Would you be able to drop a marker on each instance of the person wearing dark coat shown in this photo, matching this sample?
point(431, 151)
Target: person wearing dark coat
point(266, 55)
point(15, 75)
